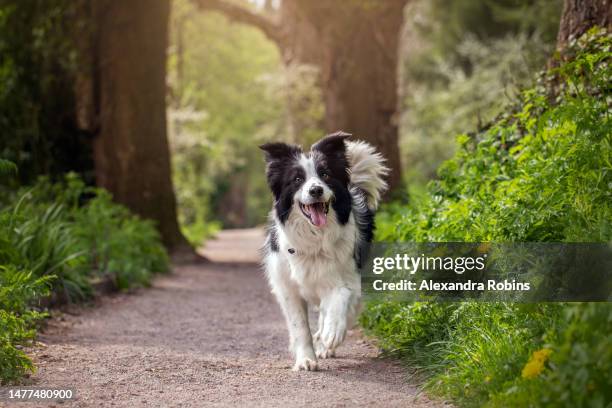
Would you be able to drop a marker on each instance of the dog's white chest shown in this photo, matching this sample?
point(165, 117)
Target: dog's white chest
point(320, 261)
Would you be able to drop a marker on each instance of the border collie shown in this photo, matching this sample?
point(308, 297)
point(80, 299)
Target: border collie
point(319, 232)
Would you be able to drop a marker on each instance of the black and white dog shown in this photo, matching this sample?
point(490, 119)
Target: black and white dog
point(320, 229)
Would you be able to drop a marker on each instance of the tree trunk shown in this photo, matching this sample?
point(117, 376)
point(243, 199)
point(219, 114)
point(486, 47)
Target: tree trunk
point(354, 44)
point(131, 149)
point(232, 208)
point(357, 54)
point(580, 15)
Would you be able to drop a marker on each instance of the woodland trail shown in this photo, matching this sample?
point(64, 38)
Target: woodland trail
point(207, 335)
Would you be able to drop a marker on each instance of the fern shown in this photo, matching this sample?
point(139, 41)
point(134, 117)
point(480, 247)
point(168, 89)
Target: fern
point(7, 167)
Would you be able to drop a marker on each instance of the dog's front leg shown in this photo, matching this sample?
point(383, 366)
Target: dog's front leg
point(296, 314)
point(335, 308)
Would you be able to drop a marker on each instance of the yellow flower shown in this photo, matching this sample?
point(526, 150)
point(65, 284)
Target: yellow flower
point(535, 365)
point(542, 354)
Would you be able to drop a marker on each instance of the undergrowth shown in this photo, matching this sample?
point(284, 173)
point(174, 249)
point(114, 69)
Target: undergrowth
point(57, 239)
point(540, 172)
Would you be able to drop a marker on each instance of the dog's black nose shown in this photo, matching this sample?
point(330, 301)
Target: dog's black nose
point(316, 191)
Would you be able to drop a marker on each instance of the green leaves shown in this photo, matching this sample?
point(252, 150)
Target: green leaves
point(541, 172)
point(14, 331)
point(18, 289)
point(7, 167)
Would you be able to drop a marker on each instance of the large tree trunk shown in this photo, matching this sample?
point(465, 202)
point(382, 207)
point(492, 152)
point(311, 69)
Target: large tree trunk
point(580, 15)
point(354, 45)
point(131, 149)
point(357, 53)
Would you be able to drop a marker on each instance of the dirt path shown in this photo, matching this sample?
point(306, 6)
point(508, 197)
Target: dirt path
point(208, 335)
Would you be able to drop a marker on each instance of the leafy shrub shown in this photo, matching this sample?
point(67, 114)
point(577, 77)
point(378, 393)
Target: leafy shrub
point(540, 172)
point(58, 238)
point(18, 289)
point(50, 232)
point(103, 228)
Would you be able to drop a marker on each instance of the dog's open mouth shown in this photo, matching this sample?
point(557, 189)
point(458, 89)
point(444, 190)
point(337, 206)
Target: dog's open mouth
point(316, 213)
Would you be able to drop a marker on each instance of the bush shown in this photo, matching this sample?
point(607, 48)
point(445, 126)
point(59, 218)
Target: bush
point(59, 238)
point(18, 289)
point(540, 172)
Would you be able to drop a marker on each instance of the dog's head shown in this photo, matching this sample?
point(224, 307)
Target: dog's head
point(313, 182)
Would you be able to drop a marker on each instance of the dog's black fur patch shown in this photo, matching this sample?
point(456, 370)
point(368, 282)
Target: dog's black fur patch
point(285, 175)
point(329, 155)
point(272, 241)
point(364, 219)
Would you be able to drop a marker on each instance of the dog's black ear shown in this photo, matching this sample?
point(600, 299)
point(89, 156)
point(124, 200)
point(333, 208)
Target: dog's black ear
point(278, 150)
point(332, 144)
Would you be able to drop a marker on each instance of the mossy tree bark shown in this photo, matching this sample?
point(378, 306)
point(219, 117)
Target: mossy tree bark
point(580, 15)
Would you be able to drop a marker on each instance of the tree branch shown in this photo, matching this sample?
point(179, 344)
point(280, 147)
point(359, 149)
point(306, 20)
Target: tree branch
point(243, 15)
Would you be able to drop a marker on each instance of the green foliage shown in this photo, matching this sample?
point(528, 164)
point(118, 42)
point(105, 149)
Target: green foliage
point(7, 167)
point(37, 66)
point(51, 240)
point(540, 172)
point(49, 232)
point(464, 61)
point(447, 24)
point(17, 290)
point(103, 228)
point(578, 372)
point(14, 333)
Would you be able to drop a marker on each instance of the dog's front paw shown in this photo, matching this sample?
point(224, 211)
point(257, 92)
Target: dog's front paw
point(305, 359)
point(306, 364)
point(334, 331)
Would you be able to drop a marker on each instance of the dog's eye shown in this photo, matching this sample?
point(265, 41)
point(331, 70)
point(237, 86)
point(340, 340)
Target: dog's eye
point(325, 175)
point(298, 180)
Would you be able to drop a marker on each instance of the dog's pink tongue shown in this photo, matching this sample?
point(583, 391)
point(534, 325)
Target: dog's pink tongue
point(317, 215)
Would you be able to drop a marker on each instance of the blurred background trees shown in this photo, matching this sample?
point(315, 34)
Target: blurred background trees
point(226, 91)
point(580, 15)
point(38, 129)
point(463, 61)
point(459, 63)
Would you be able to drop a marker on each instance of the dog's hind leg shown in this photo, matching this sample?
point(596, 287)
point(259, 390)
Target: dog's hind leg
point(296, 314)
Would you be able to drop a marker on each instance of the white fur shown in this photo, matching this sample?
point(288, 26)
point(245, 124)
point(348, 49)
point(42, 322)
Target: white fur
point(312, 180)
point(321, 271)
point(367, 170)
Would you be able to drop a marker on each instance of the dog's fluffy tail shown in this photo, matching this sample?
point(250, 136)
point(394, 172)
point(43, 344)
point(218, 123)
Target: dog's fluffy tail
point(367, 170)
